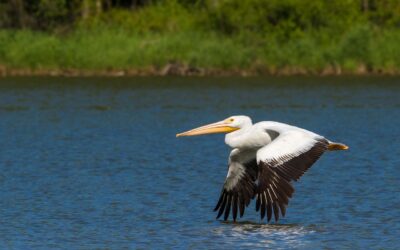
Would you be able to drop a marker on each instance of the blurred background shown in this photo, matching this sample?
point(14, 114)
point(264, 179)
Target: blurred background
point(92, 162)
point(181, 37)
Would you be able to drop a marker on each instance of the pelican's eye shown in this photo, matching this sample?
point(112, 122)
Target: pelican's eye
point(229, 120)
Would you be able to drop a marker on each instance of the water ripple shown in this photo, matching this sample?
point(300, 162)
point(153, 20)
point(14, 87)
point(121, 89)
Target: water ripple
point(86, 164)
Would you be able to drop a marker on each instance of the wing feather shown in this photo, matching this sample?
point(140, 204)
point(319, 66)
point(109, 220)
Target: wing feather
point(235, 206)
point(267, 174)
point(282, 161)
point(239, 187)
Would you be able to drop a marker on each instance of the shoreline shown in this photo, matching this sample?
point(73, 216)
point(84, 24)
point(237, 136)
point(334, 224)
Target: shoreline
point(176, 69)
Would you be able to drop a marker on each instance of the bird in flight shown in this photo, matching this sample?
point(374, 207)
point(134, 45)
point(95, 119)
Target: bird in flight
point(266, 158)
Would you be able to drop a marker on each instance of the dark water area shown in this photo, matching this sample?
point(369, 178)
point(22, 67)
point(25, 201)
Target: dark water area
point(93, 163)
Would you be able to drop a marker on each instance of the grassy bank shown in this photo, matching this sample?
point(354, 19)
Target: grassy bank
point(172, 39)
point(110, 50)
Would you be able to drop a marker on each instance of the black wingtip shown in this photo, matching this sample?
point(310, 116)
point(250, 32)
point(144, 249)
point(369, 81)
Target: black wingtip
point(241, 208)
point(219, 201)
point(269, 212)
point(258, 203)
point(222, 207)
point(276, 212)
point(263, 206)
point(234, 207)
point(228, 208)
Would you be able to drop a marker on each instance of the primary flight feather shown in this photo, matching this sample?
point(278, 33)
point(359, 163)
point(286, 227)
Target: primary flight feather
point(265, 158)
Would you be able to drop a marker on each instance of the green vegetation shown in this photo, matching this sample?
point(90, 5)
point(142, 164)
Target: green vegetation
point(255, 36)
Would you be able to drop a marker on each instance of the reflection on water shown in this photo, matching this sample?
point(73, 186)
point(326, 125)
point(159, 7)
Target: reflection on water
point(276, 236)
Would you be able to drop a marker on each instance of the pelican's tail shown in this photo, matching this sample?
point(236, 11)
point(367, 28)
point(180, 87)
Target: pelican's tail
point(337, 146)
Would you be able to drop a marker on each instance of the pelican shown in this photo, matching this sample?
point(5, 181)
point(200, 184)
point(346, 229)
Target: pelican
point(266, 158)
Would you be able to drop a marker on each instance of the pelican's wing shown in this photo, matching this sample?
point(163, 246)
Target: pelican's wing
point(283, 160)
point(239, 187)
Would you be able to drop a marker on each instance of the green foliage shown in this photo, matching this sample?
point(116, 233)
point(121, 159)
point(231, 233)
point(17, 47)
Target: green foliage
point(167, 17)
point(108, 49)
point(51, 12)
point(256, 35)
point(286, 18)
point(385, 13)
point(356, 45)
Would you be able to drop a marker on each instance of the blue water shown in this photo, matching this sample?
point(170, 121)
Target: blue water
point(93, 163)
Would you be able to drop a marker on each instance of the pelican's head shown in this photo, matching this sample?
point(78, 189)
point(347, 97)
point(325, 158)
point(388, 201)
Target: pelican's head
point(228, 125)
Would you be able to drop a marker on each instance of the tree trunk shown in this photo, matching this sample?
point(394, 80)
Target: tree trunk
point(364, 5)
point(99, 7)
point(19, 10)
point(85, 9)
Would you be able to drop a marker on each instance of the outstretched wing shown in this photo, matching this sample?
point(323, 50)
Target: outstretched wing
point(283, 160)
point(239, 187)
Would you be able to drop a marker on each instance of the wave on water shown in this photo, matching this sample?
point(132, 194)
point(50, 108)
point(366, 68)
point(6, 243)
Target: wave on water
point(250, 234)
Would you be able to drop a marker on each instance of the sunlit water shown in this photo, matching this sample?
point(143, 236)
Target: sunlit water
point(94, 163)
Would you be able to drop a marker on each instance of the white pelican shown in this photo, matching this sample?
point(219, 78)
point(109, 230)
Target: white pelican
point(265, 158)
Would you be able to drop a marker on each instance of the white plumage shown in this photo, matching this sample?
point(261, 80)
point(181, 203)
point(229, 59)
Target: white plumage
point(265, 158)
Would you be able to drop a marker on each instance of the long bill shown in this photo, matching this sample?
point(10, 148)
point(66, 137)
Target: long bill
point(213, 128)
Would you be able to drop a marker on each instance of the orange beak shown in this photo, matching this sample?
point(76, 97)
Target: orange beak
point(218, 127)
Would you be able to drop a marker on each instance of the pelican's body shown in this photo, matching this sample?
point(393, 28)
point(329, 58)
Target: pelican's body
point(265, 158)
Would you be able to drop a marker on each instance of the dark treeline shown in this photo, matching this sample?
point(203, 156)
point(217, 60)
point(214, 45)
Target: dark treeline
point(47, 14)
point(225, 16)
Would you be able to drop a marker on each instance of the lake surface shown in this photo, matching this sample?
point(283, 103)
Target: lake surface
point(93, 163)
